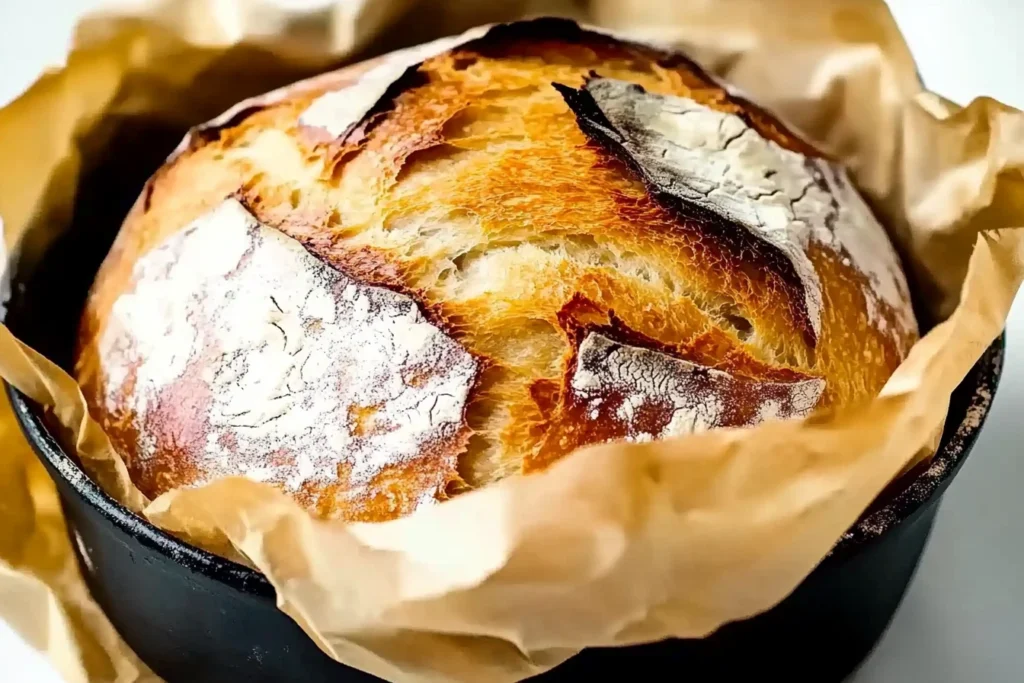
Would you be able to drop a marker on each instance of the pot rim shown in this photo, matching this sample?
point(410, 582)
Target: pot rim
point(971, 412)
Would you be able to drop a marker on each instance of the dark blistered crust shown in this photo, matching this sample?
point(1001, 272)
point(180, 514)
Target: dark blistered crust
point(535, 36)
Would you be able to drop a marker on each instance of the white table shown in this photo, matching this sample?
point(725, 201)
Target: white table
point(962, 620)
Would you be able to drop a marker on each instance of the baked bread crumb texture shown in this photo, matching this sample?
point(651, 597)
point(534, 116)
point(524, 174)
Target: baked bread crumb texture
point(405, 279)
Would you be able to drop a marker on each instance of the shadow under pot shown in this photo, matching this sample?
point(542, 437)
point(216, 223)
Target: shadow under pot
point(195, 617)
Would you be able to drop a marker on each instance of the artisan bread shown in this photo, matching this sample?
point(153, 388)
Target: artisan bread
point(406, 279)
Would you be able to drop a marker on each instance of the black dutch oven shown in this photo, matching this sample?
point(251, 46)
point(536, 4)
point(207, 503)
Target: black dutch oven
point(194, 617)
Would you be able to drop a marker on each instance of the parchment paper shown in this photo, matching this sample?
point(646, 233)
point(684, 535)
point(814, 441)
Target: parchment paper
point(615, 544)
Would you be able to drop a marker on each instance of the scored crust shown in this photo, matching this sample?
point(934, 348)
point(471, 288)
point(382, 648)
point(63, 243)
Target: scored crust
point(496, 248)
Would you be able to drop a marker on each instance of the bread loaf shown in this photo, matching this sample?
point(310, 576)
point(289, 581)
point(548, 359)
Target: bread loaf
point(406, 279)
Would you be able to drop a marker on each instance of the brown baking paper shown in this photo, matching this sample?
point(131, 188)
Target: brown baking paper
point(615, 544)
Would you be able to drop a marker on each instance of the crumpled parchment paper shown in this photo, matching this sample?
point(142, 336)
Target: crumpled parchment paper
point(615, 544)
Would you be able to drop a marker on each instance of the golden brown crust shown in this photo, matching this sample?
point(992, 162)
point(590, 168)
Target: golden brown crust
point(474, 188)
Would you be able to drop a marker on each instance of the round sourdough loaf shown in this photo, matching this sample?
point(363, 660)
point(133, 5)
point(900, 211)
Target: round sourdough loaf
point(460, 262)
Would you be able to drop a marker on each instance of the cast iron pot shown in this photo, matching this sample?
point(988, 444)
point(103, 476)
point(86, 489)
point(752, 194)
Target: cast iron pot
point(194, 617)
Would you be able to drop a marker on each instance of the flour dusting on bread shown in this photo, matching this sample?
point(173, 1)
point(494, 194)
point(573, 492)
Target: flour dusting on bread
point(655, 396)
point(295, 360)
point(716, 161)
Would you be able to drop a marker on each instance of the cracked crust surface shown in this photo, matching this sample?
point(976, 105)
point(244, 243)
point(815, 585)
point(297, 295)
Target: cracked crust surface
point(612, 246)
point(244, 355)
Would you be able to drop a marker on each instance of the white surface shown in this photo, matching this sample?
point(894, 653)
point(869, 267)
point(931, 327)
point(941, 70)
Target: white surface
point(961, 621)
